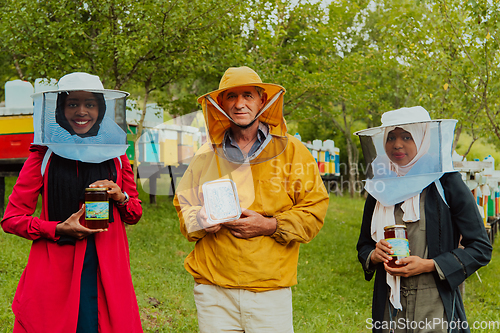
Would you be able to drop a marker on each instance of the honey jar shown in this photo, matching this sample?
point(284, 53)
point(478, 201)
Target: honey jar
point(397, 236)
point(96, 207)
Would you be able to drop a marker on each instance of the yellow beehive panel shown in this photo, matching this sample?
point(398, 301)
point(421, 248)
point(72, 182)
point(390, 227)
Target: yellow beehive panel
point(169, 152)
point(16, 124)
point(321, 156)
point(187, 139)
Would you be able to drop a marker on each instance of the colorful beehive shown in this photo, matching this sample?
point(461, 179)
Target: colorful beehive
point(131, 132)
point(328, 169)
point(309, 147)
point(16, 125)
point(491, 203)
point(337, 161)
point(321, 162)
point(16, 136)
point(168, 144)
point(185, 144)
point(485, 208)
point(317, 146)
point(497, 202)
point(329, 147)
point(149, 146)
point(326, 156)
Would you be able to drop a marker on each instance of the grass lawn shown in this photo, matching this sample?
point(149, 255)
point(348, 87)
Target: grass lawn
point(331, 295)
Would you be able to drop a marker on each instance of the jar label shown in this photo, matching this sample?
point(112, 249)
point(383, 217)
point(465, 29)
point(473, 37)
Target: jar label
point(400, 246)
point(96, 210)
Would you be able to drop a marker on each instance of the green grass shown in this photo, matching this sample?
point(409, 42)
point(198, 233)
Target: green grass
point(331, 295)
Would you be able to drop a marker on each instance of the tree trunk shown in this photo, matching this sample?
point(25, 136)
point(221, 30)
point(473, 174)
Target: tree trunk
point(470, 147)
point(350, 162)
point(18, 68)
point(353, 160)
point(458, 131)
point(352, 154)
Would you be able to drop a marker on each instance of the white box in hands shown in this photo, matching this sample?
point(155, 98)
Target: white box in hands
point(221, 201)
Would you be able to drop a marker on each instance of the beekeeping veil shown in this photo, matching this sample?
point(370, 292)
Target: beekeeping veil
point(105, 140)
point(218, 121)
point(435, 138)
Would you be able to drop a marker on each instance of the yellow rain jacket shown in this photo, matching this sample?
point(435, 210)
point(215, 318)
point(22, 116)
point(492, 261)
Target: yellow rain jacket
point(284, 183)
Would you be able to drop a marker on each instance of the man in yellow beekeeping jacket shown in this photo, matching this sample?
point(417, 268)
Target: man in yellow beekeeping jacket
point(244, 263)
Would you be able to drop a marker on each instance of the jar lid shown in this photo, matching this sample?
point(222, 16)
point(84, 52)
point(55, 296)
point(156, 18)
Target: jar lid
point(395, 226)
point(96, 189)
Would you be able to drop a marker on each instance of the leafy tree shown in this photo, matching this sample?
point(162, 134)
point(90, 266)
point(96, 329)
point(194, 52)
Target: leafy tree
point(343, 64)
point(149, 44)
point(7, 72)
point(452, 51)
point(329, 60)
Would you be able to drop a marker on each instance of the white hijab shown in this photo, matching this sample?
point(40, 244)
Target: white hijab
point(384, 215)
point(419, 133)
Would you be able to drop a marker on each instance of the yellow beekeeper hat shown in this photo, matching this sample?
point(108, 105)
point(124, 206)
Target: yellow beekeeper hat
point(217, 121)
point(240, 77)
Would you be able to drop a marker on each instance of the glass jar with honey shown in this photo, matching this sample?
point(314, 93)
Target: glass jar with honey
point(397, 236)
point(96, 207)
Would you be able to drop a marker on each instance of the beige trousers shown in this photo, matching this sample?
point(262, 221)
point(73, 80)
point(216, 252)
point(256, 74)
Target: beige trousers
point(238, 310)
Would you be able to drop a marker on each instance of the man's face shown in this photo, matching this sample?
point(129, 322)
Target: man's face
point(242, 104)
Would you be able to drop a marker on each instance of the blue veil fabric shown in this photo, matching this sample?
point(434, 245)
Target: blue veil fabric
point(109, 142)
point(384, 184)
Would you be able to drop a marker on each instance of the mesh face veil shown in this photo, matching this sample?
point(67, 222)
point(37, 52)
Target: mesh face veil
point(218, 121)
point(106, 139)
point(386, 180)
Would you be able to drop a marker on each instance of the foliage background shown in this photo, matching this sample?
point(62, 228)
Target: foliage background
point(342, 62)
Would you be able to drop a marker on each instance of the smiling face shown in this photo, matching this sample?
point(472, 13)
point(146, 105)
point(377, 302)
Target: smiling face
point(242, 104)
point(400, 146)
point(81, 110)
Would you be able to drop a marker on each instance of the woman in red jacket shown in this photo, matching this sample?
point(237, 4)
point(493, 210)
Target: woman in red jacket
point(77, 279)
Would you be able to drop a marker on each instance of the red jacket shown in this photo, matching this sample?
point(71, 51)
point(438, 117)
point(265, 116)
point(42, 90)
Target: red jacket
point(47, 297)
